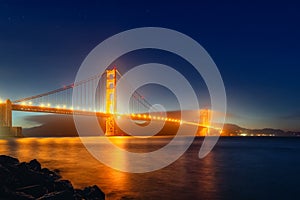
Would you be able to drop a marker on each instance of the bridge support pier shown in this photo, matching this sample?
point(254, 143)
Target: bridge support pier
point(6, 129)
point(111, 127)
point(205, 115)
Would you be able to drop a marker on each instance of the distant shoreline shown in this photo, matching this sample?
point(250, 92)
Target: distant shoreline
point(161, 136)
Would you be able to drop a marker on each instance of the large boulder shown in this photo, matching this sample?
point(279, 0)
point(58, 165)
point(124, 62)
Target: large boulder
point(7, 160)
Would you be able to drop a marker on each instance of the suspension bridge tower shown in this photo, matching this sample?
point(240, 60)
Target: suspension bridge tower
point(6, 128)
point(111, 101)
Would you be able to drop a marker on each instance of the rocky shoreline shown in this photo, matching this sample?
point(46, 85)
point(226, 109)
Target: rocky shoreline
point(26, 181)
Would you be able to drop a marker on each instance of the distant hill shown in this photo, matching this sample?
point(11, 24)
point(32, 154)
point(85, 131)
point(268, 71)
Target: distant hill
point(51, 126)
point(235, 130)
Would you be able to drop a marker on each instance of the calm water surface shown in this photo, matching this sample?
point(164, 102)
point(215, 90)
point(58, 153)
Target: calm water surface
point(237, 168)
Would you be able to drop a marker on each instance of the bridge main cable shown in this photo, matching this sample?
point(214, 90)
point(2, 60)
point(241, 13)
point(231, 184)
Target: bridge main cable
point(139, 97)
point(57, 90)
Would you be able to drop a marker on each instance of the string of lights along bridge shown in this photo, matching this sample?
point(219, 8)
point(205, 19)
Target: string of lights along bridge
point(104, 104)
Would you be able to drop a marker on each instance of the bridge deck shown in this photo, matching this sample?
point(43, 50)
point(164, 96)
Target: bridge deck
point(64, 111)
point(27, 108)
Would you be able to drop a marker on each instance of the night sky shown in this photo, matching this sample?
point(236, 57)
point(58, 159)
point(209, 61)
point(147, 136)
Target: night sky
point(255, 45)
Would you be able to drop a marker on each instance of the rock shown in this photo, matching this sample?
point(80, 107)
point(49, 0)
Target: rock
point(28, 176)
point(34, 165)
point(26, 181)
point(4, 174)
point(6, 193)
point(21, 196)
point(33, 190)
point(57, 196)
point(7, 160)
point(63, 185)
point(51, 175)
point(93, 192)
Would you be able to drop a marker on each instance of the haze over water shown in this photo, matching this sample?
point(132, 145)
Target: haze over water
point(237, 168)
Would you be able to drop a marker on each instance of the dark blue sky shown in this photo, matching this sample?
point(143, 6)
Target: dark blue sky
point(255, 45)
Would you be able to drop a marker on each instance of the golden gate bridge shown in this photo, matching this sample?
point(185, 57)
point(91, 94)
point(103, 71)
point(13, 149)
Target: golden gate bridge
point(59, 101)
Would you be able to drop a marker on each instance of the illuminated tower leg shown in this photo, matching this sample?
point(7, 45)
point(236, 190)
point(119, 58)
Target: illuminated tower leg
point(205, 121)
point(6, 114)
point(6, 129)
point(111, 81)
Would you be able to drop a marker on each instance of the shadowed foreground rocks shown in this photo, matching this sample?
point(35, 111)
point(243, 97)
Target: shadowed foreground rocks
point(30, 181)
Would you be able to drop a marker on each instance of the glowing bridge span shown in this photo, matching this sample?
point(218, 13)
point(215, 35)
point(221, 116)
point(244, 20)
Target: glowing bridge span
point(59, 102)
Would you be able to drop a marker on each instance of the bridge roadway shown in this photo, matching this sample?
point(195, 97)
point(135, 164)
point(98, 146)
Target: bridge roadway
point(7, 108)
point(65, 111)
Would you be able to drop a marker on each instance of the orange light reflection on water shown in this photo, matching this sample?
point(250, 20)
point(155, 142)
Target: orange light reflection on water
point(82, 169)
